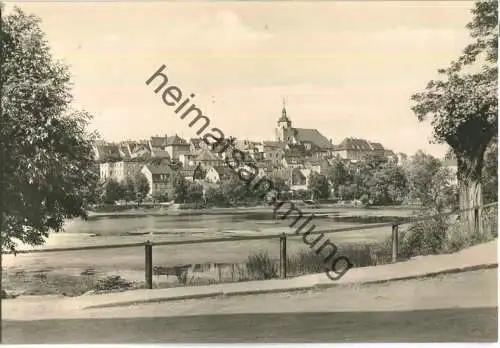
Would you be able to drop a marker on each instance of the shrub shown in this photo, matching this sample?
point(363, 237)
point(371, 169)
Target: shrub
point(112, 283)
point(490, 220)
point(459, 235)
point(260, 266)
point(364, 199)
point(424, 238)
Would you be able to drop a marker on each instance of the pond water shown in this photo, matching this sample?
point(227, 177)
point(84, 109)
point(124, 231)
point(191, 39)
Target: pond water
point(101, 230)
point(129, 262)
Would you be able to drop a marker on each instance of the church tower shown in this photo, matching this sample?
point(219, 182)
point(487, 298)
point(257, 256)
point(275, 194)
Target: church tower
point(284, 129)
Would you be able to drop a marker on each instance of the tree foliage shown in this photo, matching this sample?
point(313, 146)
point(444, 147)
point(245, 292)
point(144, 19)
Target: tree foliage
point(141, 187)
point(194, 192)
point(319, 186)
point(113, 191)
point(47, 169)
point(214, 195)
point(338, 174)
point(129, 190)
point(430, 183)
point(463, 104)
point(386, 185)
point(180, 187)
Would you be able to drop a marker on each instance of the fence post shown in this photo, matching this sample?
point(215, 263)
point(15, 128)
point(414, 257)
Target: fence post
point(395, 242)
point(283, 255)
point(148, 248)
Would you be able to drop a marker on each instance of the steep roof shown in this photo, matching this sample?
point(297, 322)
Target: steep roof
point(377, 146)
point(312, 136)
point(354, 144)
point(389, 153)
point(108, 152)
point(175, 140)
point(159, 169)
point(159, 141)
point(160, 154)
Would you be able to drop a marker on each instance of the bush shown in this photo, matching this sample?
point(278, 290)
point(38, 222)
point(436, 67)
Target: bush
point(260, 266)
point(459, 236)
point(424, 238)
point(364, 199)
point(381, 253)
point(112, 283)
point(490, 221)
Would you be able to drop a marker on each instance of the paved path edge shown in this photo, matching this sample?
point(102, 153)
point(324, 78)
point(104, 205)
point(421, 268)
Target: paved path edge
point(290, 289)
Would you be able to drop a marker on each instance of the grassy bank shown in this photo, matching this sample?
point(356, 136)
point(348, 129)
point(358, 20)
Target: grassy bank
point(259, 265)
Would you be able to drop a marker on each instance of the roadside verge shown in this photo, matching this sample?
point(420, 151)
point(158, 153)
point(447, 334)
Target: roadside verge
point(478, 257)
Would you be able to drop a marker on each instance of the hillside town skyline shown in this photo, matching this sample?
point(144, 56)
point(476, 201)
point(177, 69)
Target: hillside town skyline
point(280, 134)
point(439, 151)
point(294, 157)
point(240, 59)
point(284, 132)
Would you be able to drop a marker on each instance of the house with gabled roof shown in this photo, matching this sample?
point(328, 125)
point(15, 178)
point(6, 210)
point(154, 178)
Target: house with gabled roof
point(106, 152)
point(157, 147)
point(176, 146)
point(377, 149)
point(207, 158)
point(159, 178)
point(354, 149)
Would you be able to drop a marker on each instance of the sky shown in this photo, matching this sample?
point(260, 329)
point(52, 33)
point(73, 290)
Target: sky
point(346, 68)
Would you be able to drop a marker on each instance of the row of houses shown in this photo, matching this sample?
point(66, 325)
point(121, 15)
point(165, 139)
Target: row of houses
point(293, 155)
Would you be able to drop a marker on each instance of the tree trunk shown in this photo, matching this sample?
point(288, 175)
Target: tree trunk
point(470, 197)
point(470, 192)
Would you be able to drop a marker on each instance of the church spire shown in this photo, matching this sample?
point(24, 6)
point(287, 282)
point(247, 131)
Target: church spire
point(284, 117)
